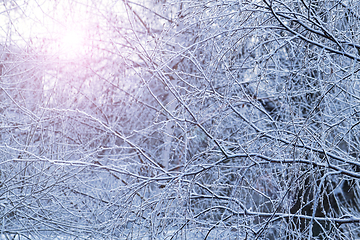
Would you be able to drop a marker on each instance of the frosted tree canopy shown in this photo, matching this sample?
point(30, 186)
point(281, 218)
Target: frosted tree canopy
point(172, 119)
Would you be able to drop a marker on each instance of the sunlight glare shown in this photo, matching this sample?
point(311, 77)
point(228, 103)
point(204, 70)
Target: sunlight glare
point(62, 28)
point(71, 43)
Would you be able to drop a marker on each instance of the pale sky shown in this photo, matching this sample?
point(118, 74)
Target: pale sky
point(62, 27)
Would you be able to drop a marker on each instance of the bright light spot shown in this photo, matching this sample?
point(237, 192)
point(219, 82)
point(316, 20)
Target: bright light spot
point(70, 44)
point(72, 39)
point(59, 29)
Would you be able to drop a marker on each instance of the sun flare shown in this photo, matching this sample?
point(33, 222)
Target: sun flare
point(62, 29)
point(71, 43)
point(72, 39)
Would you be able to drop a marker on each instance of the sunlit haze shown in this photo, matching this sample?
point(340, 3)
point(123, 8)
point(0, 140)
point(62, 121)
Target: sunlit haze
point(71, 43)
point(60, 29)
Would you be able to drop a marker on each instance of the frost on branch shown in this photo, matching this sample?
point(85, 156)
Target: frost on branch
point(183, 120)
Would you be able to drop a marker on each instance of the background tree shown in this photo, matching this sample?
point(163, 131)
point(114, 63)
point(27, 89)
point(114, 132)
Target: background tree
point(178, 119)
